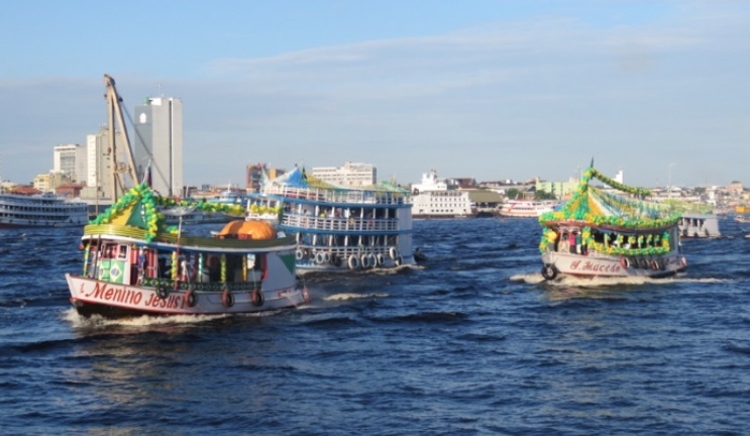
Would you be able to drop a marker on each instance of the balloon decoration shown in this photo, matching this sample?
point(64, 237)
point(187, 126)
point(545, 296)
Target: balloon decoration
point(150, 204)
point(591, 206)
point(264, 209)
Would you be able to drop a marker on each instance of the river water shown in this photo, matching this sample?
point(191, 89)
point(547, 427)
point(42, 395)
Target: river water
point(471, 342)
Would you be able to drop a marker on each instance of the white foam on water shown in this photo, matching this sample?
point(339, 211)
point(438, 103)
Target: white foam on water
point(96, 321)
point(351, 296)
point(595, 282)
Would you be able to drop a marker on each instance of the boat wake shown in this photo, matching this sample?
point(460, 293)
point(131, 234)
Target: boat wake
point(97, 322)
point(350, 296)
point(596, 282)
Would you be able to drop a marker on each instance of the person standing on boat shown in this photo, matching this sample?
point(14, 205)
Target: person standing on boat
point(572, 242)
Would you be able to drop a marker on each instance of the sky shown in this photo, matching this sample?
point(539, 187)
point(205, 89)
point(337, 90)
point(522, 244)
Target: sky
point(492, 90)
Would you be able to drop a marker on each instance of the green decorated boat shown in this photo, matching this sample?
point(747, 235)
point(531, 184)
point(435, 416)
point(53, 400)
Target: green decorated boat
point(610, 231)
point(134, 263)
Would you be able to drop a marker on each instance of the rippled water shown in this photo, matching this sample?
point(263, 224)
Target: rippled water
point(472, 342)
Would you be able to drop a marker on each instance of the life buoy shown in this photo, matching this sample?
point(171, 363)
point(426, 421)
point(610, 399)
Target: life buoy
point(654, 265)
point(190, 298)
point(256, 297)
point(393, 252)
point(227, 299)
point(299, 255)
point(398, 261)
point(327, 257)
point(320, 258)
point(372, 260)
point(161, 291)
point(683, 262)
point(549, 272)
point(353, 262)
point(624, 262)
point(415, 191)
point(365, 261)
point(380, 259)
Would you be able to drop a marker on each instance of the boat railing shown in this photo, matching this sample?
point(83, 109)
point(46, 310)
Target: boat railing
point(344, 252)
point(355, 196)
point(340, 223)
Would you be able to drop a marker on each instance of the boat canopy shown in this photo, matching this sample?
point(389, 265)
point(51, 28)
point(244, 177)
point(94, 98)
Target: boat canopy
point(254, 229)
point(622, 206)
point(139, 208)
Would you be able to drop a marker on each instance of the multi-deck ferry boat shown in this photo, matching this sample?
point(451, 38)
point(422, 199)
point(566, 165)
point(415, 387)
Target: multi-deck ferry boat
point(41, 210)
point(435, 198)
point(338, 228)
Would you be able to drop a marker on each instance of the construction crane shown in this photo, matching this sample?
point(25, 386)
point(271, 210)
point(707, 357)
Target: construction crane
point(119, 169)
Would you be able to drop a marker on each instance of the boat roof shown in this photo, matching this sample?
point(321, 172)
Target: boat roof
point(299, 178)
point(619, 206)
point(143, 209)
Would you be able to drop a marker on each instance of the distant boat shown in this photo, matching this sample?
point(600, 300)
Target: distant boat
point(699, 225)
point(604, 234)
point(697, 220)
point(527, 208)
point(435, 198)
point(41, 210)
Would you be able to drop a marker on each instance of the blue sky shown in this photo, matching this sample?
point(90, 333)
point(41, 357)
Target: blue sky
point(485, 89)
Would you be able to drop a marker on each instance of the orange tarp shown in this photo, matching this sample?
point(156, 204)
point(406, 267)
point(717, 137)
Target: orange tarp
point(248, 230)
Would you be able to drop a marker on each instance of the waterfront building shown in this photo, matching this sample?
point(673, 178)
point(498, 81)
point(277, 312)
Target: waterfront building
point(70, 159)
point(350, 174)
point(256, 174)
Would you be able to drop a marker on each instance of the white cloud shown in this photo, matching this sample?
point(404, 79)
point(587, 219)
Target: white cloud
point(505, 100)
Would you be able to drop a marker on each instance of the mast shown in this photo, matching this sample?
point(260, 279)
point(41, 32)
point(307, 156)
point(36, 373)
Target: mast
point(119, 169)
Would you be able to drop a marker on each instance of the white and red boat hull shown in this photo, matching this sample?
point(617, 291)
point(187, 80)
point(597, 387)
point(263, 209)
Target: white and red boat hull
point(91, 296)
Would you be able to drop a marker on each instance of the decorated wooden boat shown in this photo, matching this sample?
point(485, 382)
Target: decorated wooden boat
point(610, 231)
point(134, 263)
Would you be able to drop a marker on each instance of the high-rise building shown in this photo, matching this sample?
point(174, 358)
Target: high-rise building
point(157, 143)
point(70, 159)
point(350, 174)
point(100, 164)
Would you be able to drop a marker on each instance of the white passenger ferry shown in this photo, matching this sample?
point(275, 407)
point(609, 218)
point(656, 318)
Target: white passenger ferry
point(338, 228)
point(526, 208)
point(435, 198)
point(41, 210)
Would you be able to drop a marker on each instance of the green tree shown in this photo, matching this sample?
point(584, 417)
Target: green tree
point(513, 194)
point(544, 195)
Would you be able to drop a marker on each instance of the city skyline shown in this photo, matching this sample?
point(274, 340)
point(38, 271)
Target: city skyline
point(487, 90)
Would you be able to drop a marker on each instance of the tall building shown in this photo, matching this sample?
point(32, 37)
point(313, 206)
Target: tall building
point(158, 142)
point(70, 159)
point(100, 164)
point(254, 175)
point(350, 174)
